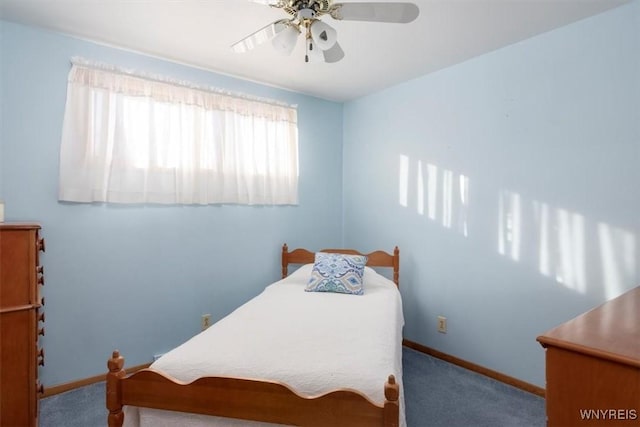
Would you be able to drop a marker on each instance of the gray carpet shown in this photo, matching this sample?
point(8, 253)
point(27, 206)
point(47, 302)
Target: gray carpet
point(437, 394)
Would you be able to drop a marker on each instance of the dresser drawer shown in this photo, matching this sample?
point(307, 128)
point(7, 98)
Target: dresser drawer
point(18, 372)
point(18, 273)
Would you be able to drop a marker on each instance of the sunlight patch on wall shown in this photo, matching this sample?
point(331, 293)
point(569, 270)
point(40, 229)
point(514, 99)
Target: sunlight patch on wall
point(447, 197)
point(403, 189)
point(564, 246)
point(420, 190)
point(509, 223)
point(432, 191)
point(441, 194)
point(541, 212)
point(463, 224)
point(618, 257)
point(571, 231)
point(561, 245)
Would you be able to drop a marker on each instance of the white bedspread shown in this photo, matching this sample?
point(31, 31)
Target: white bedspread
point(314, 342)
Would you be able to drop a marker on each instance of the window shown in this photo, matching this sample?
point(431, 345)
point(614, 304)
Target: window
point(129, 138)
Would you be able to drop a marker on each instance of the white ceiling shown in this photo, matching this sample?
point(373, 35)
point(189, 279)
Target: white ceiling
point(377, 55)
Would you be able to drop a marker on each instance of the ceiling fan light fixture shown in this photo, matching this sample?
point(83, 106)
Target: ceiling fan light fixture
point(285, 40)
point(324, 36)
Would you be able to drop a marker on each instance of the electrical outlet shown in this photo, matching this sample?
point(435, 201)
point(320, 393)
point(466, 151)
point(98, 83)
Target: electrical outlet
point(205, 321)
point(442, 324)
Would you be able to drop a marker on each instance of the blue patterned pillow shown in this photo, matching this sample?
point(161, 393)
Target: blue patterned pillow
point(339, 273)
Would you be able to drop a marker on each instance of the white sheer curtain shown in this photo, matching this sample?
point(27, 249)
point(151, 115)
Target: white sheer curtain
point(131, 138)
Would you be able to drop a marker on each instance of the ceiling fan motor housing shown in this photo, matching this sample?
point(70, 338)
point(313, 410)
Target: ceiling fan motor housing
point(306, 14)
point(320, 7)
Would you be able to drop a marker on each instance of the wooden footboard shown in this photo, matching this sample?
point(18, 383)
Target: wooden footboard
point(245, 399)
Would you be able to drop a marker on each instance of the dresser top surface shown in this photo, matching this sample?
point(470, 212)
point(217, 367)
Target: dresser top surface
point(19, 226)
point(609, 331)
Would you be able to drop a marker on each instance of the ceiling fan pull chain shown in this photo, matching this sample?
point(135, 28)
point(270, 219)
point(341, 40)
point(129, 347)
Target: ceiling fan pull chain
point(306, 52)
point(308, 45)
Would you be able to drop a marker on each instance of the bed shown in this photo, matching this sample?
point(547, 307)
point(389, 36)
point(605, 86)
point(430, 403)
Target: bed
point(286, 357)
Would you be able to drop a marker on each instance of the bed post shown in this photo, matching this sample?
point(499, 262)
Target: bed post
point(114, 397)
point(391, 405)
point(396, 266)
point(285, 262)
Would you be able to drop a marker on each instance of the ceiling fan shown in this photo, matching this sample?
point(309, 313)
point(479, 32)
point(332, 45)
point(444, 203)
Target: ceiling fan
point(321, 41)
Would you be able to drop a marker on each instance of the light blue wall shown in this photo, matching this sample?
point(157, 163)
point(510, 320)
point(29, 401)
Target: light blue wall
point(2, 105)
point(138, 278)
point(550, 126)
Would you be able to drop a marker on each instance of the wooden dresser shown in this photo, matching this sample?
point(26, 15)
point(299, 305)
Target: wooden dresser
point(20, 323)
point(593, 366)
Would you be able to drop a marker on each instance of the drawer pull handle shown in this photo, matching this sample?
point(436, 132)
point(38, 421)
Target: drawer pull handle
point(41, 357)
point(41, 331)
point(41, 280)
point(41, 246)
point(40, 389)
point(41, 317)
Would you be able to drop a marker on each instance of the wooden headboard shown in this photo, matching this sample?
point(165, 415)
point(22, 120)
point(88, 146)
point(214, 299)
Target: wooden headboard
point(374, 259)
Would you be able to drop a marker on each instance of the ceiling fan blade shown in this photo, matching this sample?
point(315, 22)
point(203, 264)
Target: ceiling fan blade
point(401, 13)
point(260, 36)
point(275, 3)
point(333, 54)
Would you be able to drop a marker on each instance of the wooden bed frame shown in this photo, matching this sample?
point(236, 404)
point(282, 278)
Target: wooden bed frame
point(251, 399)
